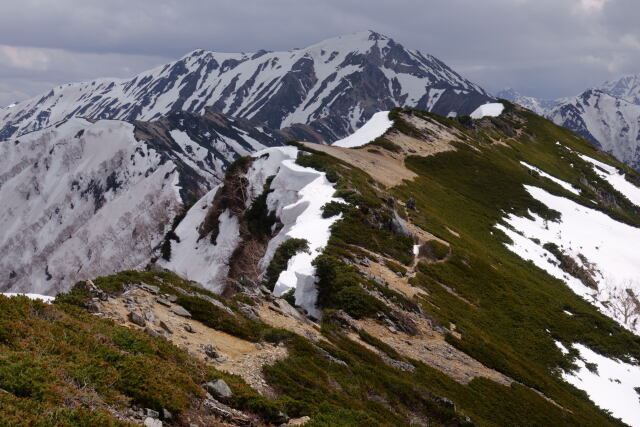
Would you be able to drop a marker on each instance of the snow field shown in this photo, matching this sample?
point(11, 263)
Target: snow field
point(377, 125)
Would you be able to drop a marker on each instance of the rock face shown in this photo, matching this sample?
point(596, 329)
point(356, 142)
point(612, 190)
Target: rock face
point(335, 86)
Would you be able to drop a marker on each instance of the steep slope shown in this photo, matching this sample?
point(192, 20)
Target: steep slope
point(335, 86)
point(88, 198)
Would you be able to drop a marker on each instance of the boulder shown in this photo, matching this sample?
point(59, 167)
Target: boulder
point(210, 351)
point(166, 327)
point(150, 288)
point(219, 389)
point(187, 327)
point(151, 413)
point(180, 311)
point(137, 319)
point(163, 301)
point(152, 422)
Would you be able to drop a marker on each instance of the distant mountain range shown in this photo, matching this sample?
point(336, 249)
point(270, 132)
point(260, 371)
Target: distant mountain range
point(334, 86)
point(608, 115)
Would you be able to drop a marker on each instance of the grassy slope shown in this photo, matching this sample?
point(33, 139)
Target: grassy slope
point(53, 357)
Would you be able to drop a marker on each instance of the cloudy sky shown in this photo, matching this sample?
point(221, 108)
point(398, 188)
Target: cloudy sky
point(545, 48)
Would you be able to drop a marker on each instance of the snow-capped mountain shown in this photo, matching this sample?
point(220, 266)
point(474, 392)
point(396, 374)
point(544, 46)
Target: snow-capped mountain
point(537, 105)
point(335, 86)
point(608, 122)
point(609, 117)
point(627, 87)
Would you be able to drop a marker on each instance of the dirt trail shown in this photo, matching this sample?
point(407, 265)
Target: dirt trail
point(231, 354)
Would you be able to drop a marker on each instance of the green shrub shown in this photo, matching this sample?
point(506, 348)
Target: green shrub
point(281, 257)
point(333, 208)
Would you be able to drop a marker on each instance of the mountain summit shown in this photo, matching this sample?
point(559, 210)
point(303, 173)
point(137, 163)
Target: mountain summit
point(334, 86)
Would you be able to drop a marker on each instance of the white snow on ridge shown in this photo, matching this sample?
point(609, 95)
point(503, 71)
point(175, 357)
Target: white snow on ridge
point(377, 125)
point(560, 182)
point(611, 387)
point(487, 110)
point(617, 180)
point(297, 199)
point(44, 298)
point(607, 244)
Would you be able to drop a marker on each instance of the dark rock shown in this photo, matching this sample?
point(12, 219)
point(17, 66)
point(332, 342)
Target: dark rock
point(210, 351)
point(219, 389)
point(150, 288)
point(152, 333)
point(411, 204)
point(180, 311)
point(94, 307)
point(166, 327)
point(137, 319)
point(163, 301)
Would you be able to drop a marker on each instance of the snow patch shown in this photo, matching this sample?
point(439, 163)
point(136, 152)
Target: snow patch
point(487, 110)
point(609, 246)
point(298, 195)
point(44, 298)
point(617, 180)
point(377, 125)
point(198, 259)
point(611, 387)
point(560, 182)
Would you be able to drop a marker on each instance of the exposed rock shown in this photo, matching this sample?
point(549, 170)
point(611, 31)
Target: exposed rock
point(228, 414)
point(150, 288)
point(411, 204)
point(151, 332)
point(166, 414)
point(152, 422)
point(399, 225)
point(341, 318)
point(187, 327)
point(171, 297)
point(298, 421)
point(210, 351)
point(137, 319)
point(149, 316)
point(166, 327)
point(248, 311)
point(94, 307)
point(163, 301)
point(151, 413)
point(219, 389)
point(180, 311)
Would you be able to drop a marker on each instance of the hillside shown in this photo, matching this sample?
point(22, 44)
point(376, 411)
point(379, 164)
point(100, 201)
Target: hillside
point(452, 288)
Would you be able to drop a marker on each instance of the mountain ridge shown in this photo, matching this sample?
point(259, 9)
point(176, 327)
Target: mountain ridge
point(329, 81)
